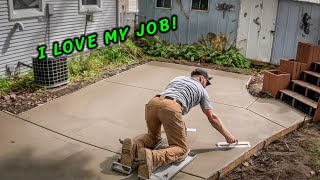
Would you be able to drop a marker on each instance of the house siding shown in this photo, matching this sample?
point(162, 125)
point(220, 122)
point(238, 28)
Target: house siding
point(256, 28)
point(195, 23)
point(67, 22)
point(310, 1)
point(289, 31)
point(133, 6)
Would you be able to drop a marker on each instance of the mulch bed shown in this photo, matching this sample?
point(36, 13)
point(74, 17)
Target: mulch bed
point(21, 101)
point(285, 159)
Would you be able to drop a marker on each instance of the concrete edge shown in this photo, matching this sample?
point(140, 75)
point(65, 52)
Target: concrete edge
point(222, 172)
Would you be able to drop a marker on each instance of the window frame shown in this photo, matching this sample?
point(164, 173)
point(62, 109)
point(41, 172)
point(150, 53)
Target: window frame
point(90, 8)
point(202, 10)
point(26, 13)
point(163, 7)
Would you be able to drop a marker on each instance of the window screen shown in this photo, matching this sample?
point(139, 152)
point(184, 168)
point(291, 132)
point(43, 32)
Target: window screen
point(89, 2)
point(200, 4)
point(25, 4)
point(164, 3)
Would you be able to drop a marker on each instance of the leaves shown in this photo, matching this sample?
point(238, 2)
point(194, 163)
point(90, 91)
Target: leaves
point(215, 50)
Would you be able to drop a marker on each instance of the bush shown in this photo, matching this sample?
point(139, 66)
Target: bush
point(205, 50)
point(89, 66)
point(17, 83)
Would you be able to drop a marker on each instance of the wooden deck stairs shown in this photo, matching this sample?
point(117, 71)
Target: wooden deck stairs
point(304, 94)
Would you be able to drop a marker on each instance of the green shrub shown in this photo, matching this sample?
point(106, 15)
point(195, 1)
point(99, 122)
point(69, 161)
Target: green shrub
point(17, 83)
point(227, 55)
point(91, 65)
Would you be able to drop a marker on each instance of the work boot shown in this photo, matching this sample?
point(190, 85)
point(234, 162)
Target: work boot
point(146, 163)
point(128, 152)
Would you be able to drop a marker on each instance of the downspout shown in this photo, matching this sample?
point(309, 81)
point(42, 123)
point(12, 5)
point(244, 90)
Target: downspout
point(117, 16)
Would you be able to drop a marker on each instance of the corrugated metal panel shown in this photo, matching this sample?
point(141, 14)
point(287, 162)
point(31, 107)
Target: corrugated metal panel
point(256, 28)
point(289, 31)
point(67, 22)
point(194, 23)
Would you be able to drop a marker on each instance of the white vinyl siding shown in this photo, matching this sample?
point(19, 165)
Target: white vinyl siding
point(67, 22)
point(133, 5)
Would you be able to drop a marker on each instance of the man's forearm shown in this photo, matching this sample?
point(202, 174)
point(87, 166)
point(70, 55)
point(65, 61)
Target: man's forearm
point(217, 124)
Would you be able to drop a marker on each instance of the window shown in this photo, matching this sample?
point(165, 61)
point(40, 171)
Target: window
point(90, 5)
point(20, 4)
point(90, 2)
point(164, 3)
point(26, 8)
point(200, 4)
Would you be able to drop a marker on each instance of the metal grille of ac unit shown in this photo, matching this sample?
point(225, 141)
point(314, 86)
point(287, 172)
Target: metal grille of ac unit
point(50, 72)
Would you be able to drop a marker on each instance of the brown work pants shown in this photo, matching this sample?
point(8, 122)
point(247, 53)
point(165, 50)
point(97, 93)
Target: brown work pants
point(166, 112)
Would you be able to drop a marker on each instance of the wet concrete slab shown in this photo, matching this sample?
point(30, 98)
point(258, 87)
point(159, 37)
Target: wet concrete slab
point(278, 112)
point(29, 152)
point(227, 88)
point(243, 124)
point(114, 109)
point(100, 114)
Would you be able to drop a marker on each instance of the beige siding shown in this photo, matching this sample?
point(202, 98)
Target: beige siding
point(16, 45)
point(133, 6)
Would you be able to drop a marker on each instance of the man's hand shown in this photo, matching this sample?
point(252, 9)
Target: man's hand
point(231, 139)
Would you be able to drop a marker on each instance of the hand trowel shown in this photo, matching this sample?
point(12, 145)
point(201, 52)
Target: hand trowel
point(239, 144)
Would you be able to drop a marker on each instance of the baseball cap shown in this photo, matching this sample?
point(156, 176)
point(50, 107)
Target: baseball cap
point(202, 72)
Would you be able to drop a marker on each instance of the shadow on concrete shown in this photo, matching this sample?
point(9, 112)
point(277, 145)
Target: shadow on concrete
point(106, 166)
point(23, 165)
point(201, 151)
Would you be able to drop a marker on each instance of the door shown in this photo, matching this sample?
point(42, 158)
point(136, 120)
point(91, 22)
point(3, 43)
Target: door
point(256, 28)
point(296, 22)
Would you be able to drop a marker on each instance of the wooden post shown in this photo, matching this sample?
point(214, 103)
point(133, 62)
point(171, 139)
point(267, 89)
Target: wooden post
point(317, 114)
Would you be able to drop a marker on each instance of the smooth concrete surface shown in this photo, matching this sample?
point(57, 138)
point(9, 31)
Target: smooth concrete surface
point(278, 112)
point(227, 88)
point(243, 124)
point(29, 152)
point(100, 114)
point(114, 109)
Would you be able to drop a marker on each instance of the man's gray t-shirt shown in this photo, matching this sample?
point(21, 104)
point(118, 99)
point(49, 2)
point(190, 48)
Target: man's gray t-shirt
point(189, 92)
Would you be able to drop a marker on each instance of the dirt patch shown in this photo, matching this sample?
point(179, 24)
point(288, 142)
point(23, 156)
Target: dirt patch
point(255, 86)
point(22, 101)
point(257, 67)
point(295, 156)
